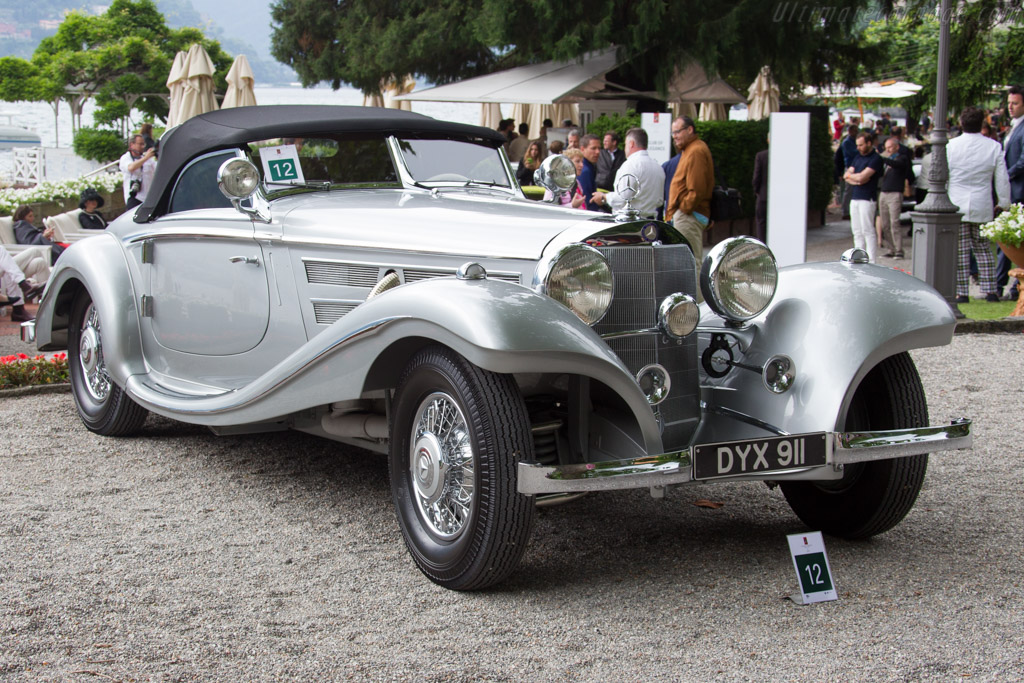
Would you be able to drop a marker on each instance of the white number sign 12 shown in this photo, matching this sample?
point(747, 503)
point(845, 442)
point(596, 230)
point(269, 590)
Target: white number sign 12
point(812, 568)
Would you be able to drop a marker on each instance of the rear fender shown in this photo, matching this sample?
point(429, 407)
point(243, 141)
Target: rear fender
point(836, 321)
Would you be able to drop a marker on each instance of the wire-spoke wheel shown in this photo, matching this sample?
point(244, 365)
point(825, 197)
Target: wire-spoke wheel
point(441, 466)
point(102, 405)
point(872, 497)
point(457, 435)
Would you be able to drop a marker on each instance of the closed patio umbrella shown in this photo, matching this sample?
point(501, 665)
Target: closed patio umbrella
point(764, 96)
point(374, 100)
point(198, 97)
point(394, 89)
point(712, 111)
point(684, 109)
point(176, 86)
point(240, 85)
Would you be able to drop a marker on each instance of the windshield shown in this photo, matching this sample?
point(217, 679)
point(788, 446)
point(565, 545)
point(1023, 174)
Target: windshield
point(323, 163)
point(454, 161)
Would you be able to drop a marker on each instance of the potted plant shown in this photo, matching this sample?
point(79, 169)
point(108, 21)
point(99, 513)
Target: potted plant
point(1008, 231)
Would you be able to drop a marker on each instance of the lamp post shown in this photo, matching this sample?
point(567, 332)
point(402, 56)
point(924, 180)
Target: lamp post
point(937, 220)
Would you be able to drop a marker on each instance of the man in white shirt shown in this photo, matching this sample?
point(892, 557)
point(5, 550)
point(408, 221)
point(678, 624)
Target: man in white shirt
point(648, 171)
point(975, 163)
point(138, 168)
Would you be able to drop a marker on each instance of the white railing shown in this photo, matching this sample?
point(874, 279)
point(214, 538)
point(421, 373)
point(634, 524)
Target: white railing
point(28, 165)
point(106, 168)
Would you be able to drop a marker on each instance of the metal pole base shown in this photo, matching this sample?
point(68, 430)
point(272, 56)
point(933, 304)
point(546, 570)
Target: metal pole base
point(936, 240)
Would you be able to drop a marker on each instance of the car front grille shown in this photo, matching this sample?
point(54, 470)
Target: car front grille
point(644, 276)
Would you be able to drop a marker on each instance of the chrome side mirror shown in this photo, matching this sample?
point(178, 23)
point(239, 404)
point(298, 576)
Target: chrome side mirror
point(238, 179)
point(556, 174)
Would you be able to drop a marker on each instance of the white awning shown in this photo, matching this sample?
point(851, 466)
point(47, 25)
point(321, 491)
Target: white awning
point(558, 82)
point(887, 90)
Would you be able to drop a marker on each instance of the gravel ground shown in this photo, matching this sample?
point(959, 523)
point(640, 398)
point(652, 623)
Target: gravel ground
point(179, 555)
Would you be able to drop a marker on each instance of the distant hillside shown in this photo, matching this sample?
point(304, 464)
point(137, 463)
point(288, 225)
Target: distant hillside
point(241, 26)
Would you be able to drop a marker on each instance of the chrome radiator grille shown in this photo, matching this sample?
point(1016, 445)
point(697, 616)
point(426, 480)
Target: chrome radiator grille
point(644, 275)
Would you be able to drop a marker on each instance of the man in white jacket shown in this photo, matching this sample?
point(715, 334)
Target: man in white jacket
point(976, 164)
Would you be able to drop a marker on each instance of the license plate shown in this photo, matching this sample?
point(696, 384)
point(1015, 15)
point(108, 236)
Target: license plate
point(754, 456)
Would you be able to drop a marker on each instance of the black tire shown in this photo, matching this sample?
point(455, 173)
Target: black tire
point(102, 405)
point(465, 525)
point(872, 497)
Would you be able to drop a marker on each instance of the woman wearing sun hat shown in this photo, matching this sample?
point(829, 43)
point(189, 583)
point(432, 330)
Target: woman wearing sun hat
point(90, 218)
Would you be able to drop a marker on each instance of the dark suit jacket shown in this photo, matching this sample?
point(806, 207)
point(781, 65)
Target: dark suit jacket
point(607, 166)
point(761, 175)
point(670, 170)
point(587, 186)
point(1015, 162)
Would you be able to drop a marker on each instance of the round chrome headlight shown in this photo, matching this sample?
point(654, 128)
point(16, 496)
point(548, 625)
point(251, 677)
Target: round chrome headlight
point(678, 315)
point(738, 278)
point(238, 178)
point(556, 173)
point(581, 279)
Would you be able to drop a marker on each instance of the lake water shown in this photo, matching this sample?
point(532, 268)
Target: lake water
point(38, 116)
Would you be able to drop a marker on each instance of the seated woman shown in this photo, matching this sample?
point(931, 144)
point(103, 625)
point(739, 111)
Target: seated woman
point(90, 218)
point(26, 233)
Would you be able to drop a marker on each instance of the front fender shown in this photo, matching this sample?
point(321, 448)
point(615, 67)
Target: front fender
point(496, 325)
point(95, 265)
point(836, 321)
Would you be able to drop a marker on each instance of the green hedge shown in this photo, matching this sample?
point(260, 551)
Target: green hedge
point(98, 144)
point(734, 144)
point(620, 124)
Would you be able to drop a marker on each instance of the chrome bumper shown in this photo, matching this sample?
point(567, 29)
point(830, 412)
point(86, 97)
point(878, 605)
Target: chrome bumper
point(28, 332)
point(677, 468)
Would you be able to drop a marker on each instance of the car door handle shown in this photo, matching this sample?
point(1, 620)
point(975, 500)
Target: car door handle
point(245, 259)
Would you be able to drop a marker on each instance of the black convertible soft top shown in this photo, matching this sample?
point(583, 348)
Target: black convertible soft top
point(232, 128)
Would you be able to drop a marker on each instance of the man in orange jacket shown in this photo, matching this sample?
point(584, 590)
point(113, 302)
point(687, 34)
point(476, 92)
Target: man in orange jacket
point(689, 196)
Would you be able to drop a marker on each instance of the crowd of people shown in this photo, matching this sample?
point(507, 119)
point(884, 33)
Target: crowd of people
point(985, 156)
point(600, 160)
point(679, 191)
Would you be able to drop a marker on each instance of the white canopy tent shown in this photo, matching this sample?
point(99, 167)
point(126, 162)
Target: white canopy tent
point(888, 90)
point(547, 83)
point(572, 82)
point(885, 90)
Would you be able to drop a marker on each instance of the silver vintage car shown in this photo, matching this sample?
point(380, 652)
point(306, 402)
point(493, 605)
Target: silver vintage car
point(378, 278)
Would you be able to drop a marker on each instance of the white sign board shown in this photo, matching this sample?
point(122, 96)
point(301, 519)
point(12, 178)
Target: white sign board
point(812, 568)
point(281, 166)
point(560, 134)
point(659, 136)
point(788, 154)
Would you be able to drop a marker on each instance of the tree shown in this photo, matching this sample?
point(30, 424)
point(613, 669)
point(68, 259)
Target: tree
point(985, 52)
point(121, 57)
point(365, 42)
